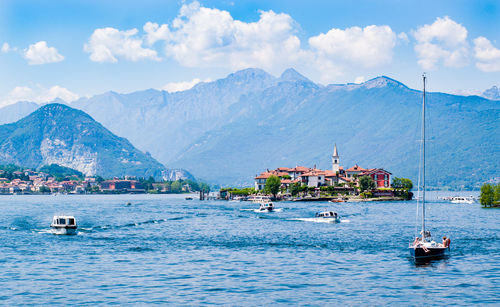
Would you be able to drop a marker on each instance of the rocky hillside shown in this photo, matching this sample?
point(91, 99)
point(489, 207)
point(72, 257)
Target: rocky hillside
point(58, 134)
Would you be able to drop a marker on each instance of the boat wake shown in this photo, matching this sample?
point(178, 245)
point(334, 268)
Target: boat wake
point(82, 230)
point(315, 220)
point(265, 211)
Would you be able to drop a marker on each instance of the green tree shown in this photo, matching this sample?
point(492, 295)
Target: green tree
point(44, 189)
point(402, 183)
point(487, 196)
point(366, 183)
point(497, 194)
point(176, 187)
point(295, 189)
point(204, 187)
point(273, 184)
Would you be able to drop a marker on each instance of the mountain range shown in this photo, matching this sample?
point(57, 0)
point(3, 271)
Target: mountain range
point(58, 134)
point(228, 130)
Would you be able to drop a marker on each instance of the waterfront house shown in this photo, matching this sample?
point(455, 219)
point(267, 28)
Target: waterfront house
point(121, 185)
point(313, 178)
point(380, 176)
point(354, 171)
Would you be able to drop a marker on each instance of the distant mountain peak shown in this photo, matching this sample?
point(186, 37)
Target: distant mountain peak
point(492, 93)
point(59, 110)
point(291, 74)
point(381, 81)
point(249, 73)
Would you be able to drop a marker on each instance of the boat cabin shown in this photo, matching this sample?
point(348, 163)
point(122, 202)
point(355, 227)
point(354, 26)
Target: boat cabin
point(327, 214)
point(63, 221)
point(266, 206)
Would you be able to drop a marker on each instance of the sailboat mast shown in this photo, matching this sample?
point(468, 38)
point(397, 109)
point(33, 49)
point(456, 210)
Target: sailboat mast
point(423, 160)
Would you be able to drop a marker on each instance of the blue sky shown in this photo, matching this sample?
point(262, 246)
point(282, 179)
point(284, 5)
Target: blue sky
point(70, 49)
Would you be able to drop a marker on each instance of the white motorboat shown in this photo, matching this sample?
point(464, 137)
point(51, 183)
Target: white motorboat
point(330, 215)
point(266, 206)
point(462, 200)
point(64, 225)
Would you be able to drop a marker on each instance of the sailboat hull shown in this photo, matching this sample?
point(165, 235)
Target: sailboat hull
point(432, 252)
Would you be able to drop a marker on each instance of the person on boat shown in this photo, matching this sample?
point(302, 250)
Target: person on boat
point(446, 242)
point(416, 242)
point(443, 244)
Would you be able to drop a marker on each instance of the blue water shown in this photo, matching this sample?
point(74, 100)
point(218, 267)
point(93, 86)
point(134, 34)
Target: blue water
point(166, 250)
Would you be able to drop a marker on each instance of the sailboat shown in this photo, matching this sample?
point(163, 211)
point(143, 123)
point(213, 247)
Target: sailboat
point(424, 247)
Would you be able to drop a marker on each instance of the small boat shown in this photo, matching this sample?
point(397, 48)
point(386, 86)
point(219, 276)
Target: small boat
point(238, 198)
point(328, 215)
point(424, 248)
point(463, 200)
point(64, 225)
point(336, 200)
point(188, 198)
point(266, 206)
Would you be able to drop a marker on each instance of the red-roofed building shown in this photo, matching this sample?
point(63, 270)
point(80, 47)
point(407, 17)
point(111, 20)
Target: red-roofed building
point(121, 185)
point(381, 177)
point(355, 170)
point(315, 178)
point(260, 181)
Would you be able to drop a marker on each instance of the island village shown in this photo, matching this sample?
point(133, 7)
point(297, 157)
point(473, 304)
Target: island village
point(337, 184)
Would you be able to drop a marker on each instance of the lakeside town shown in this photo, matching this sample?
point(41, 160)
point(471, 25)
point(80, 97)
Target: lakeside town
point(55, 179)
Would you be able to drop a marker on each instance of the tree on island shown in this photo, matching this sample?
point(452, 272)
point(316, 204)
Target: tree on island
point(402, 183)
point(497, 194)
point(366, 183)
point(295, 189)
point(490, 195)
point(273, 184)
point(402, 187)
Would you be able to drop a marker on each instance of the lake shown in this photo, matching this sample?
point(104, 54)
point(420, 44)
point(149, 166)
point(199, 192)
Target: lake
point(163, 249)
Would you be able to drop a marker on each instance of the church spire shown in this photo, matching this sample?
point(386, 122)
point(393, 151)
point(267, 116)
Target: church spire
point(335, 160)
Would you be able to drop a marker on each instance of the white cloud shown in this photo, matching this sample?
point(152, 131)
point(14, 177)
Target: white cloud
point(403, 37)
point(6, 48)
point(182, 86)
point(106, 44)
point(40, 53)
point(443, 41)
point(205, 37)
point(38, 94)
point(487, 55)
point(466, 92)
point(212, 38)
point(156, 32)
point(368, 47)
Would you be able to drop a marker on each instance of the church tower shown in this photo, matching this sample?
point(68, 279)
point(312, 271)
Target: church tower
point(335, 160)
